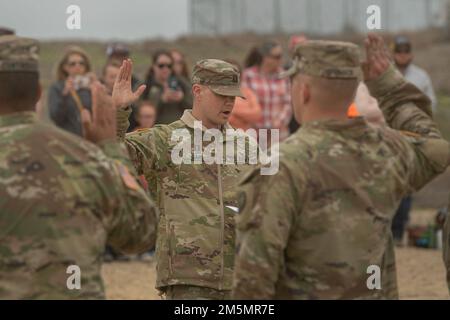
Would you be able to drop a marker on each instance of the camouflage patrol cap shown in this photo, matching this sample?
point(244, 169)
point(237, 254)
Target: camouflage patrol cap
point(220, 76)
point(18, 54)
point(326, 59)
point(6, 31)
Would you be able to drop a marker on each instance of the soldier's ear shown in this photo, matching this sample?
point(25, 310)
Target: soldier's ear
point(306, 92)
point(39, 93)
point(196, 90)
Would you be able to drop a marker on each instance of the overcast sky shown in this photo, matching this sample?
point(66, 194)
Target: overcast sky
point(100, 19)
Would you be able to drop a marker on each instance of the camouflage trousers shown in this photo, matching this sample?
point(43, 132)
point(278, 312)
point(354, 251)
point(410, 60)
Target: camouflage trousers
point(187, 292)
point(388, 273)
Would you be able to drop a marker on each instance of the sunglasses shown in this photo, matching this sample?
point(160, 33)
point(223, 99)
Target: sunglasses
point(74, 63)
point(276, 57)
point(402, 51)
point(164, 65)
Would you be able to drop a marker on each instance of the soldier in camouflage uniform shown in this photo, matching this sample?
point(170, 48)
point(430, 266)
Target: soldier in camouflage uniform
point(61, 198)
point(312, 230)
point(195, 244)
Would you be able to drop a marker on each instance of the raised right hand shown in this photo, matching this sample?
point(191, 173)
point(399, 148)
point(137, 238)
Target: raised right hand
point(122, 94)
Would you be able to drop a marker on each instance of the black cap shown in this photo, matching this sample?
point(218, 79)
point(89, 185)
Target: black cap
point(117, 49)
point(402, 43)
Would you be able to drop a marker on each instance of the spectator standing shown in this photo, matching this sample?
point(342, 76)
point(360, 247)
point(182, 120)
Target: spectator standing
point(246, 112)
point(168, 92)
point(145, 115)
point(116, 53)
point(109, 74)
point(262, 77)
point(403, 59)
point(70, 93)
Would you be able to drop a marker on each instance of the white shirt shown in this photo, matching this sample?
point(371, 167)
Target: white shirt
point(421, 80)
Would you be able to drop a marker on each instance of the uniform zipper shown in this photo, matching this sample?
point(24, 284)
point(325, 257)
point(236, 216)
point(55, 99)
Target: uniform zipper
point(222, 227)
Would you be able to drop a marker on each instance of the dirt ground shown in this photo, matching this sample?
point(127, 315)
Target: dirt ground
point(420, 272)
point(421, 275)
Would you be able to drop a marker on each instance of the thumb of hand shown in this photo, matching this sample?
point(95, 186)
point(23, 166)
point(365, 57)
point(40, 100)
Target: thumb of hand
point(86, 121)
point(139, 91)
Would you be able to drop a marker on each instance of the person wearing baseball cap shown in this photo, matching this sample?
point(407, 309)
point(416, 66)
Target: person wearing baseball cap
point(195, 250)
point(119, 51)
point(403, 57)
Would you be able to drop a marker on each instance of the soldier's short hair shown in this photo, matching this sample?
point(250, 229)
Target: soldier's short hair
point(19, 72)
point(20, 90)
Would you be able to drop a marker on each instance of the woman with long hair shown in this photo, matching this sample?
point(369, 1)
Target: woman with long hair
point(169, 93)
point(70, 93)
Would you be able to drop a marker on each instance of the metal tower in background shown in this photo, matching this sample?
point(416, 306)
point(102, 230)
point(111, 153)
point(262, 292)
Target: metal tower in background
point(213, 17)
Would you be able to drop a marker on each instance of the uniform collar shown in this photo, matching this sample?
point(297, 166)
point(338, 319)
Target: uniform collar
point(16, 118)
point(337, 125)
point(188, 119)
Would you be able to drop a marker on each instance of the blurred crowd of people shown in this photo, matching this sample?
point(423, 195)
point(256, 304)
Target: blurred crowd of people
point(267, 103)
point(168, 89)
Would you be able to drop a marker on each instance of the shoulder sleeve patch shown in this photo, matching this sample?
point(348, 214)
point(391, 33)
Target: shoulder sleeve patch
point(129, 181)
point(410, 134)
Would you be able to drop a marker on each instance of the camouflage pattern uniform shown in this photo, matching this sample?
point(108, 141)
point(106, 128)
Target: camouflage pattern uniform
point(195, 244)
point(446, 248)
point(312, 230)
point(61, 200)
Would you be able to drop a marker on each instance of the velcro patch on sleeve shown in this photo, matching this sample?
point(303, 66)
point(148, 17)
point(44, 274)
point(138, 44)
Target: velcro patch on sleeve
point(127, 178)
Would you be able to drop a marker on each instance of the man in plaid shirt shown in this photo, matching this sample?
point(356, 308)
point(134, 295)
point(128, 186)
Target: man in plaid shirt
point(273, 93)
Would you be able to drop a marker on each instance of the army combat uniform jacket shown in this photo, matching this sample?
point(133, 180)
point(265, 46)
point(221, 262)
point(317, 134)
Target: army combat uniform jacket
point(61, 200)
point(320, 227)
point(196, 236)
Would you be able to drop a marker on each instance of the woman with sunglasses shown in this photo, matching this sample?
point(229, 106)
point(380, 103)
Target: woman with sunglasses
point(169, 93)
point(263, 66)
point(71, 93)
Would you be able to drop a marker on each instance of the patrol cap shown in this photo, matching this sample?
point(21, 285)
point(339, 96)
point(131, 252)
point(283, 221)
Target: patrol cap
point(18, 54)
point(6, 31)
point(326, 59)
point(219, 76)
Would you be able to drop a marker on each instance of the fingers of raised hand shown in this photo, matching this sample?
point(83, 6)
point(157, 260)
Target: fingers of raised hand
point(139, 91)
point(129, 69)
point(86, 121)
point(121, 74)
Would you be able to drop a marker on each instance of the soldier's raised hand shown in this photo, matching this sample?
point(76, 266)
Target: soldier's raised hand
point(378, 59)
point(101, 125)
point(123, 94)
